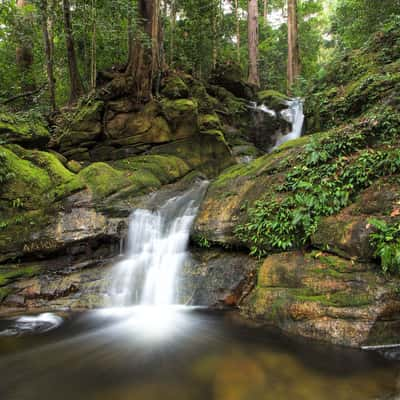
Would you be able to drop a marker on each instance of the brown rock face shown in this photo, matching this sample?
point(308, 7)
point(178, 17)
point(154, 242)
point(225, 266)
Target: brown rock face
point(347, 234)
point(327, 298)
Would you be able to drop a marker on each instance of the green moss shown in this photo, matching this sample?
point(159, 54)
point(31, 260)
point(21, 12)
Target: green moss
point(41, 174)
point(338, 299)
point(209, 122)
point(175, 88)
point(273, 99)
point(74, 166)
point(175, 110)
point(30, 183)
point(103, 180)
point(9, 274)
point(25, 129)
point(294, 143)
point(164, 168)
point(206, 103)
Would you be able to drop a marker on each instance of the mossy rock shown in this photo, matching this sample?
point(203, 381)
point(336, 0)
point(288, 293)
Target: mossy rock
point(322, 296)
point(166, 169)
point(37, 179)
point(175, 88)
point(206, 103)
point(230, 76)
point(208, 122)
point(74, 166)
point(273, 99)
point(25, 130)
point(103, 180)
point(88, 117)
point(176, 111)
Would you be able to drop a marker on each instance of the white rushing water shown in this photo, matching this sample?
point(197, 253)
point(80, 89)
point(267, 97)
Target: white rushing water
point(156, 251)
point(295, 116)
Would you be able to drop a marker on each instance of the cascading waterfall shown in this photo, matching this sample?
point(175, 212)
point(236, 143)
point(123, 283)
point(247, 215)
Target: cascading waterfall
point(295, 116)
point(156, 251)
point(267, 118)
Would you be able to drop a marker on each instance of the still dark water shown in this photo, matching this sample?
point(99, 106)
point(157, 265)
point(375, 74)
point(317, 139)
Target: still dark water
point(179, 354)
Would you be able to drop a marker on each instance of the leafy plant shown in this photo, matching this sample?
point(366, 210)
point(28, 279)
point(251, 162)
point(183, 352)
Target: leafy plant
point(313, 189)
point(386, 241)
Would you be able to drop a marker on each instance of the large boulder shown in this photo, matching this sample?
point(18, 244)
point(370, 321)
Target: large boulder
point(26, 130)
point(230, 76)
point(237, 189)
point(348, 233)
point(325, 297)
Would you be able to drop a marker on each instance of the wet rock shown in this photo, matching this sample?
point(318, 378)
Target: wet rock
point(348, 233)
point(327, 298)
point(216, 278)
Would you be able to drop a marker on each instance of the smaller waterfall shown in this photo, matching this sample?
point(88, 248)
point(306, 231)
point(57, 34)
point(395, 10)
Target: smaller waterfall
point(156, 251)
point(295, 116)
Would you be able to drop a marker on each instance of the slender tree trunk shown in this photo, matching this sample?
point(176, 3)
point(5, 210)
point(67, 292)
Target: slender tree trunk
point(47, 28)
point(93, 55)
point(24, 50)
point(214, 40)
point(172, 37)
point(76, 86)
point(265, 12)
point(294, 65)
point(144, 62)
point(237, 30)
point(252, 22)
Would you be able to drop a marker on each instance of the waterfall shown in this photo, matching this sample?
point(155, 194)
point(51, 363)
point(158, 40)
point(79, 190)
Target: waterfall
point(156, 250)
point(295, 116)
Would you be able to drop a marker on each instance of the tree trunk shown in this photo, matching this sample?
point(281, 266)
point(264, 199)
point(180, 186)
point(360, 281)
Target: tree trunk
point(214, 41)
point(47, 28)
point(252, 23)
point(294, 66)
point(76, 87)
point(24, 50)
point(265, 12)
point(172, 36)
point(144, 62)
point(93, 53)
point(237, 30)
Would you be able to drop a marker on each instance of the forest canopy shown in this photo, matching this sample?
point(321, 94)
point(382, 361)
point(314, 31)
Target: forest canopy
point(194, 36)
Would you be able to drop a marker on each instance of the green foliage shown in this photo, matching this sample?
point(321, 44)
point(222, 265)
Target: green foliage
point(386, 241)
point(6, 173)
point(327, 176)
point(354, 21)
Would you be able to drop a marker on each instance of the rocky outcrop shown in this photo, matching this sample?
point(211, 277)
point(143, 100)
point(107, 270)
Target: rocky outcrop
point(26, 130)
point(231, 77)
point(348, 233)
point(325, 297)
point(110, 129)
point(236, 190)
point(217, 278)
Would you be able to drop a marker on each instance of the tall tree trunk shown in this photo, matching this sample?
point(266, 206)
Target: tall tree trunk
point(144, 62)
point(24, 50)
point(172, 35)
point(214, 40)
point(265, 12)
point(252, 23)
point(237, 30)
point(47, 28)
point(294, 65)
point(93, 53)
point(76, 87)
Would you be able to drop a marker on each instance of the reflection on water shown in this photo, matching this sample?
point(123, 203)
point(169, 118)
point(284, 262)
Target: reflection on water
point(179, 353)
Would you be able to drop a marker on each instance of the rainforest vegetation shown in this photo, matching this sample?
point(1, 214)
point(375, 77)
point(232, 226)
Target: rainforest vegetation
point(104, 104)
